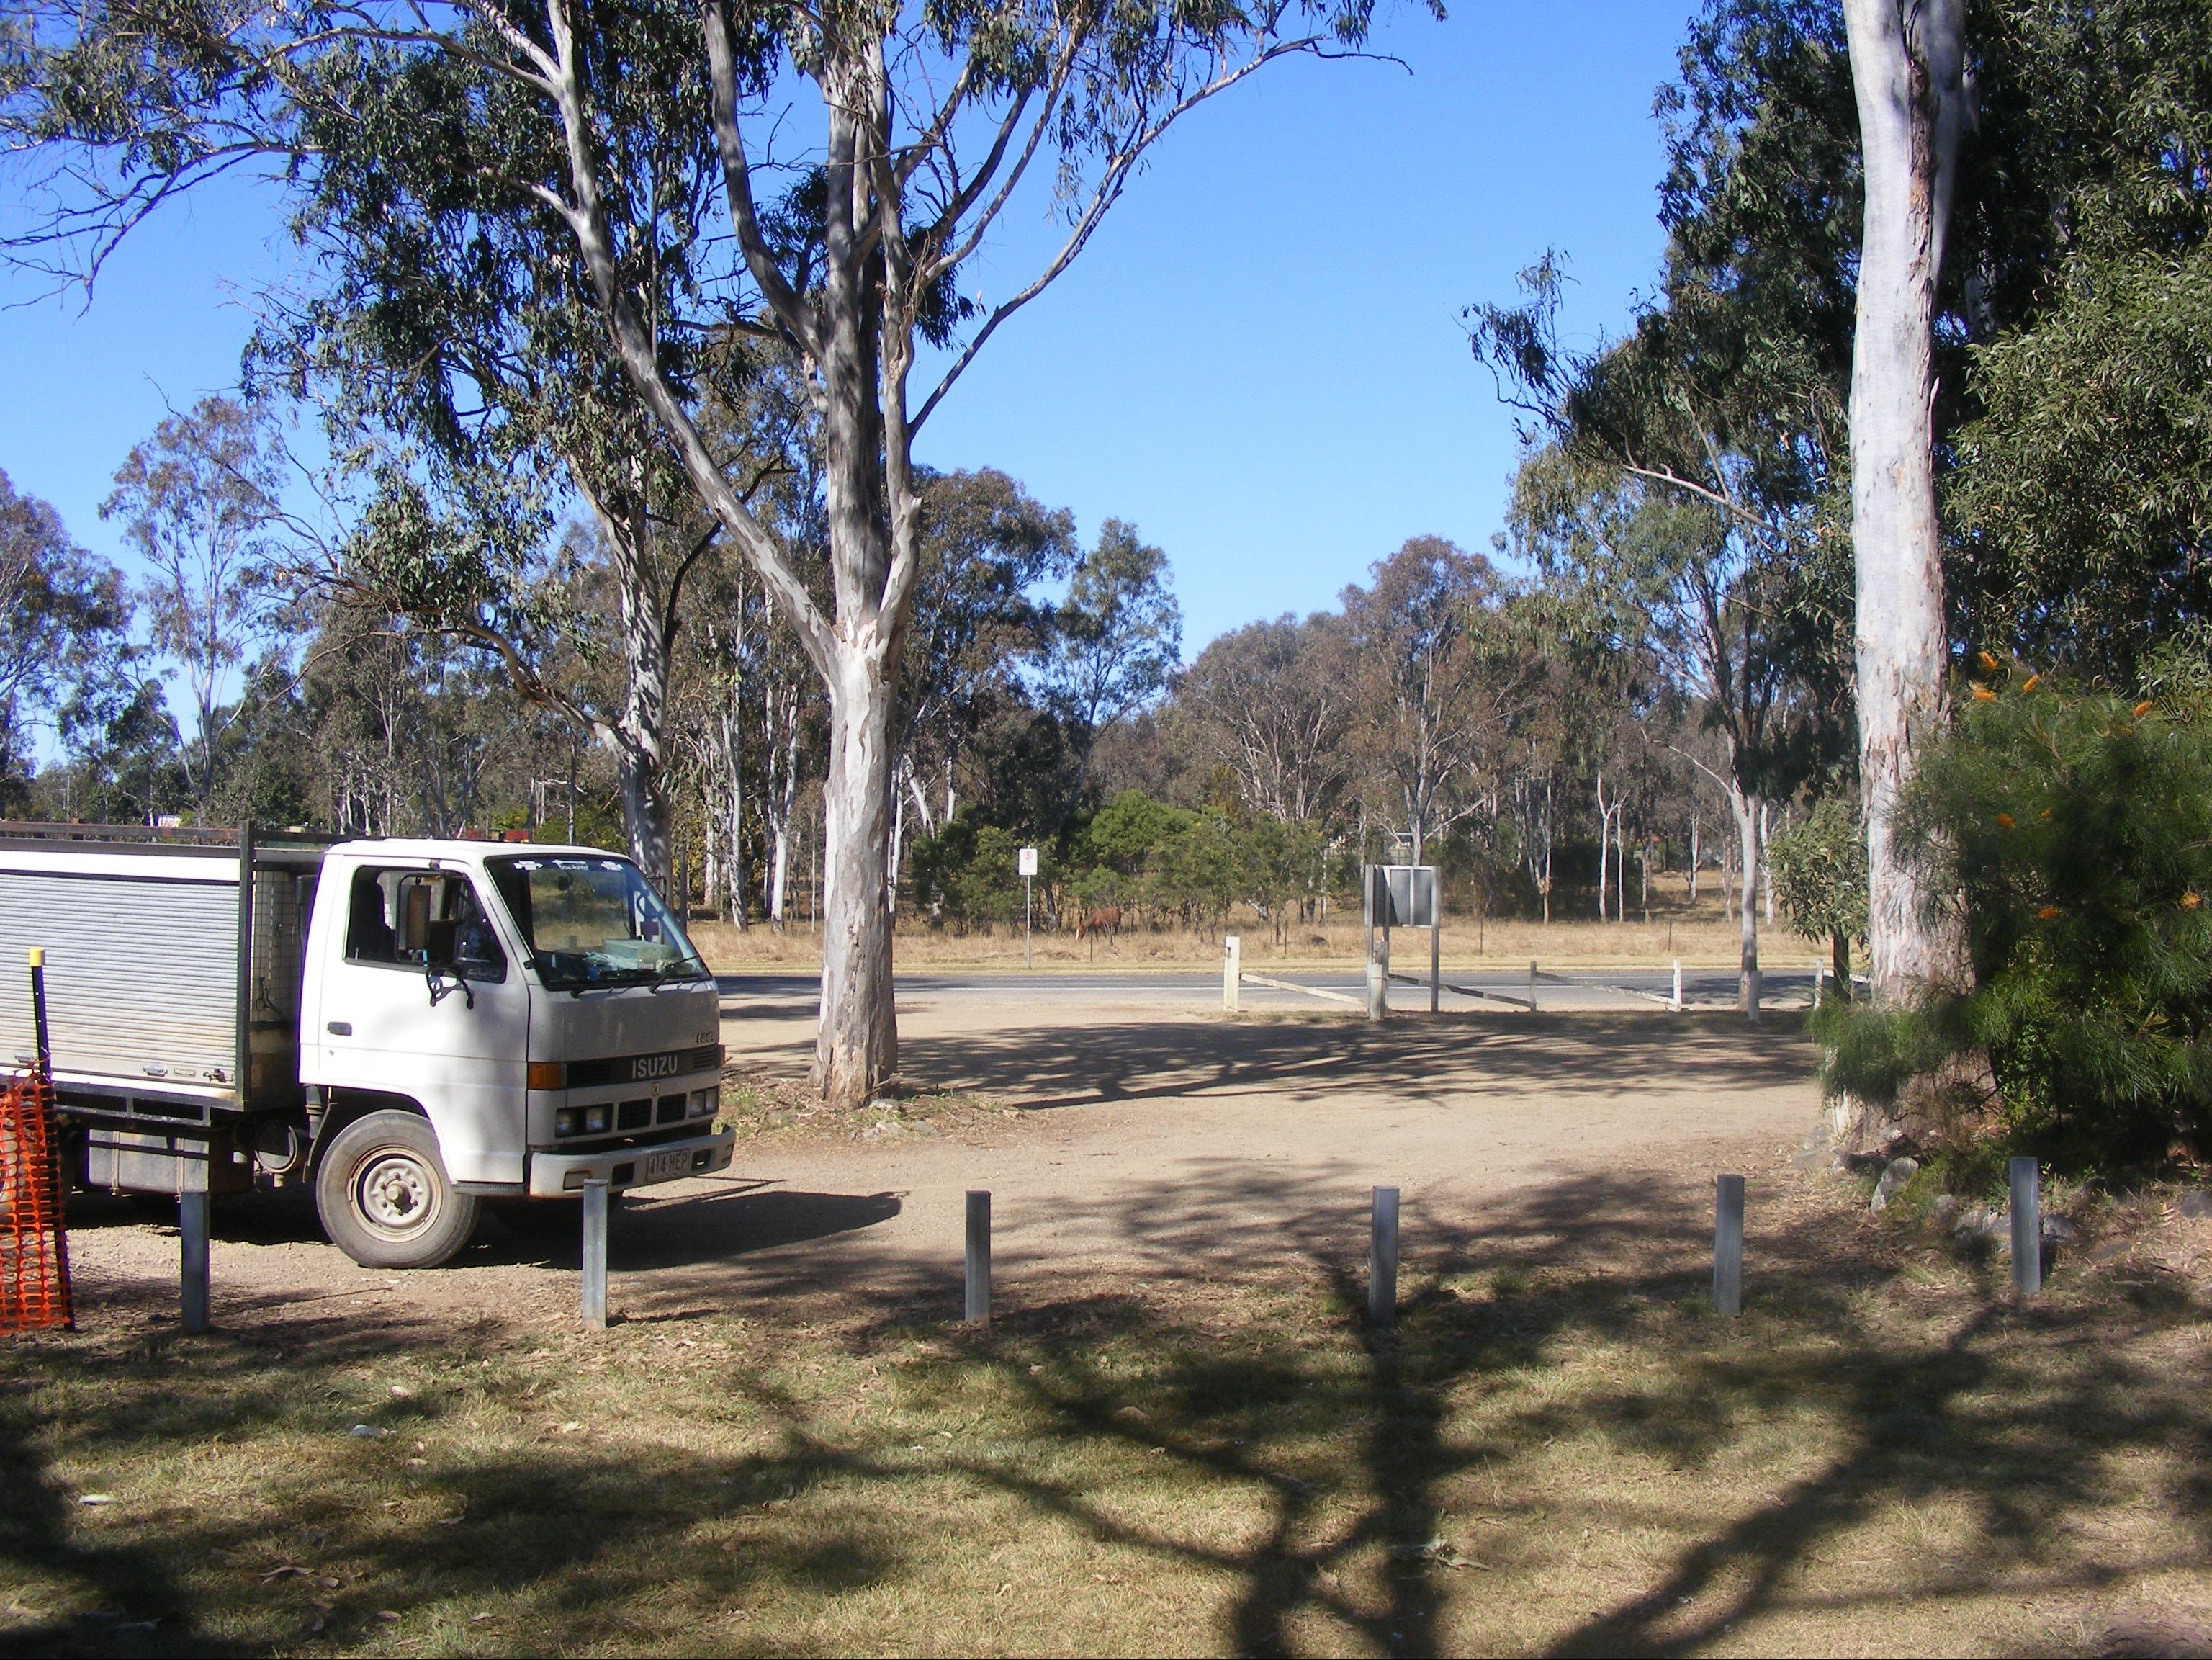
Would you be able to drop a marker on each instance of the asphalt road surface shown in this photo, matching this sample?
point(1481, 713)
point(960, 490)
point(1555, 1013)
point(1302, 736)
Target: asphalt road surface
point(1592, 989)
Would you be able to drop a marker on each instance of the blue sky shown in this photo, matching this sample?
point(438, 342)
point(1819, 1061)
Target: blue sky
point(1258, 361)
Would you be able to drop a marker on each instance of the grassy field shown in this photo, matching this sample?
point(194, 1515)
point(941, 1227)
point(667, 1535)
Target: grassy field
point(1559, 1450)
point(1698, 935)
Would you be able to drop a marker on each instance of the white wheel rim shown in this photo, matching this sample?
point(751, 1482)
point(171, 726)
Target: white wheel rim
point(396, 1193)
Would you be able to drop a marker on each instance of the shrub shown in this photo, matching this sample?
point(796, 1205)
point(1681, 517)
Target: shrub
point(2075, 827)
point(1819, 869)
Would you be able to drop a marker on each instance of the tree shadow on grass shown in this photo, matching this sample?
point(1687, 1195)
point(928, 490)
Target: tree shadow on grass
point(2017, 1417)
point(1238, 1369)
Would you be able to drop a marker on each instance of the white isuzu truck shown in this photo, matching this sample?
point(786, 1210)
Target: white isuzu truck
point(419, 1028)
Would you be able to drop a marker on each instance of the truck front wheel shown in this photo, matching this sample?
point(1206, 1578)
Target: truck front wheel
point(385, 1198)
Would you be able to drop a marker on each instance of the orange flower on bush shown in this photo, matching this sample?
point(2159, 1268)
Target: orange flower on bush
point(2031, 682)
point(2004, 821)
point(1983, 694)
point(2142, 708)
point(2049, 912)
point(2189, 902)
point(1988, 664)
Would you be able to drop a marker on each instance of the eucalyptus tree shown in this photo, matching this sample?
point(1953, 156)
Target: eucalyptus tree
point(198, 502)
point(1273, 702)
point(1116, 642)
point(1691, 473)
point(1662, 577)
point(64, 624)
point(1439, 678)
point(1909, 71)
point(846, 250)
point(986, 544)
point(2082, 497)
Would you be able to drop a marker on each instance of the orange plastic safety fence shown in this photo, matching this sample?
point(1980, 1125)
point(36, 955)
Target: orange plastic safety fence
point(34, 1281)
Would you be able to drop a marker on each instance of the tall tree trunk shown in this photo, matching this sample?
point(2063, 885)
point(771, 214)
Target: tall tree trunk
point(1547, 883)
point(635, 739)
point(1621, 862)
point(1697, 854)
point(1907, 70)
point(1604, 844)
point(1747, 820)
point(856, 1046)
point(1765, 874)
point(898, 848)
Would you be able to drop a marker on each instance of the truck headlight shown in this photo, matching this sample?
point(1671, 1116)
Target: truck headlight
point(581, 1120)
point(705, 1103)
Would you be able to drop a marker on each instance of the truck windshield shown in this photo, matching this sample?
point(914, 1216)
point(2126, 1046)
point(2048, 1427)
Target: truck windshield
point(591, 920)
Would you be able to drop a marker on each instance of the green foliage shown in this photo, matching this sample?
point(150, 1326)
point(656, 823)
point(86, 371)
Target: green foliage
point(965, 873)
point(65, 623)
point(1127, 830)
point(2087, 486)
point(2076, 828)
point(1819, 866)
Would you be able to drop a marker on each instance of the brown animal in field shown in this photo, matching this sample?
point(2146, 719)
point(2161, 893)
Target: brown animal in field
point(1106, 920)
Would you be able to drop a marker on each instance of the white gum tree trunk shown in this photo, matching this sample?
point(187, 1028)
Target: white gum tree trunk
point(1908, 72)
point(1750, 815)
point(856, 1046)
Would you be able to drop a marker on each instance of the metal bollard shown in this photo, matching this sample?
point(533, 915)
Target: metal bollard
point(1727, 1245)
point(1232, 973)
point(193, 1232)
point(1383, 1259)
point(1437, 961)
point(979, 1259)
point(595, 1256)
point(2026, 1228)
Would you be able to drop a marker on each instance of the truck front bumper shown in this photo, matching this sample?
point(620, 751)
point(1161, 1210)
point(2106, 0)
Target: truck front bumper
point(558, 1174)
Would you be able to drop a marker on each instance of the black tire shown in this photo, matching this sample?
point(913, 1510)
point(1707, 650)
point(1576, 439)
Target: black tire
point(385, 1198)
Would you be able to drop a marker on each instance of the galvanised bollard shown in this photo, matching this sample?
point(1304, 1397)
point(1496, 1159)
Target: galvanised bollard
point(1383, 1259)
point(979, 1259)
point(595, 1256)
point(1727, 1245)
point(2027, 1228)
point(192, 1230)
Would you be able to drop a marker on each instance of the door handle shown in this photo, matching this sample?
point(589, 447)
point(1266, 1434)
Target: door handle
point(339, 1028)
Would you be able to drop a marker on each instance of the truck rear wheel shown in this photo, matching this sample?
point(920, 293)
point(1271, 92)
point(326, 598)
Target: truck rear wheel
point(385, 1198)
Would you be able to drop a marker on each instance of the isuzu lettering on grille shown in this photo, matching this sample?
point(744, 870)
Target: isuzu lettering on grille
point(656, 1065)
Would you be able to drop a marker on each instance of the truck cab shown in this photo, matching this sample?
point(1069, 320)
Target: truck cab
point(489, 1022)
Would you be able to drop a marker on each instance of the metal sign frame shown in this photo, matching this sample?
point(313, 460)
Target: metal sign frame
point(1406, 897)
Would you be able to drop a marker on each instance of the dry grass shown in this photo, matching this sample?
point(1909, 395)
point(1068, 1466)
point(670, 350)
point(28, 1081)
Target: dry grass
point(1698, 935)
point(1559, 1451)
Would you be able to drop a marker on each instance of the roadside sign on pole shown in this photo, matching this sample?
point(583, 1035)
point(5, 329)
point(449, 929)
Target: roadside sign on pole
point(1025, 866)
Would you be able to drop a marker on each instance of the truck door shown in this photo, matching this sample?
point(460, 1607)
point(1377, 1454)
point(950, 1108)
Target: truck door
point(428, 1002)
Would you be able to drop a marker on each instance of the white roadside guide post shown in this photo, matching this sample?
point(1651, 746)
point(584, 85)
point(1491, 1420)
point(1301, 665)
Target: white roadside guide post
point(1233, 972)
point(1026, 863)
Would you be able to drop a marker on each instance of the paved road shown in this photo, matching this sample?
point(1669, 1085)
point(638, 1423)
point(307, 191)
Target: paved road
point(1594, 990)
